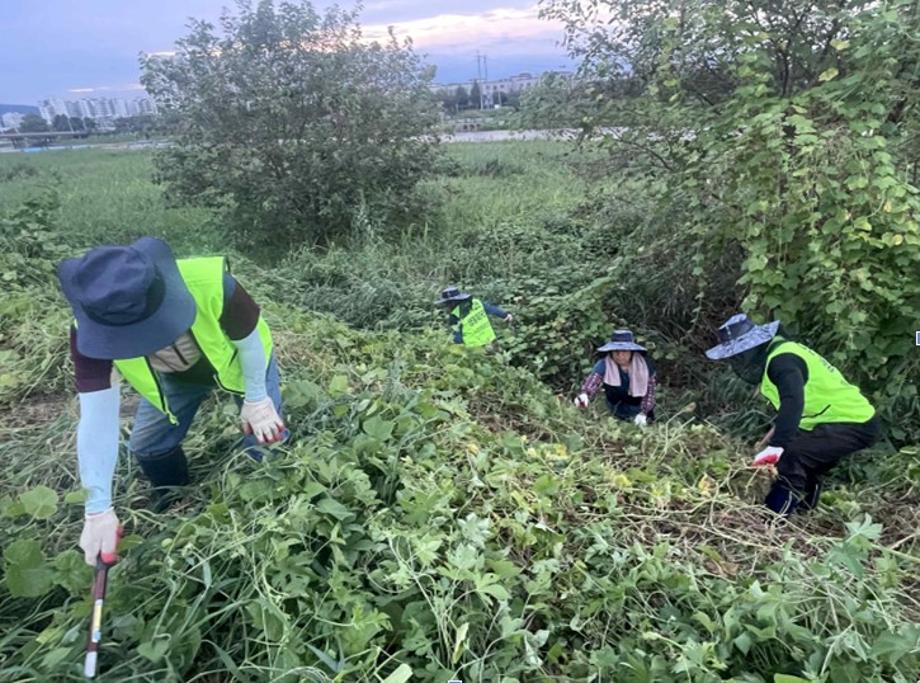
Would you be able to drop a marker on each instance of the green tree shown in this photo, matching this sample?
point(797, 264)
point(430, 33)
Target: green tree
point(308, 131)
point(33, 123)
point(781, 136)
point(86, 124)
point(461, 97)
point(77, 123)
point(476, 95)
point(60, 123)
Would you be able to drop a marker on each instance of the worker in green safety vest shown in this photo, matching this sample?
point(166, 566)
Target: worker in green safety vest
point(469, 317)
point(820, 416)
point(175, 330)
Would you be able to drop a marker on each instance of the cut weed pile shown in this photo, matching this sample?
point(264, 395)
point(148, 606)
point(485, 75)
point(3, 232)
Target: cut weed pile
point(442, 513)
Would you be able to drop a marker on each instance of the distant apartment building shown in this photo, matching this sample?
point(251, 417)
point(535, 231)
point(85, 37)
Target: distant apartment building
point(101, 109)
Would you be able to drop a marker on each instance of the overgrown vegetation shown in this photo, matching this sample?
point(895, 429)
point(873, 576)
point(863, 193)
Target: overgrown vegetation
point(445, 514)
point(439, 512)
point(781, 138)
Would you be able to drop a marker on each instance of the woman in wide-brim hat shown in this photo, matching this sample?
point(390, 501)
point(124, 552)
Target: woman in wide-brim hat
point(820, 417)
point(628, 377)
point(469, 317)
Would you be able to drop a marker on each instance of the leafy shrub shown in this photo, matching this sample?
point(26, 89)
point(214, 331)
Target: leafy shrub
point(303, 144)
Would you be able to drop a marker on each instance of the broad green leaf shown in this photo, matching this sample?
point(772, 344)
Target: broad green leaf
point(27, 574)
point(378, 428)
point(331, 506)
point(72, 572)
point(40, 502)
point(338, 386)
point(828, 74)
point(787, 678)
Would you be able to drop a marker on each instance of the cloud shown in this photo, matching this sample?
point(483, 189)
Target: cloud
point(502, 28)
point(130, 87)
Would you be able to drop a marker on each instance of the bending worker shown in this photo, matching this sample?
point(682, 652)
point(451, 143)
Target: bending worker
point(820, 416)
point(173, 330)
point(628, 377)
point(469, 317)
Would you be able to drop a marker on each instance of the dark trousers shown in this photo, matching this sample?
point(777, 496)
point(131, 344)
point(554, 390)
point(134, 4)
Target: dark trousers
point(810, 455)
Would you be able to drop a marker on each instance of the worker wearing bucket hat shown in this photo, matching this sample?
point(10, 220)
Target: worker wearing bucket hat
point(628, 377)
point(469, 317)
point(820, 416)
point(174, 330)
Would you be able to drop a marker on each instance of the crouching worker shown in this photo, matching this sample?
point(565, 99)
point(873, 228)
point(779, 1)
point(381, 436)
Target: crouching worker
point(628, 377)
point(820, 416)
point(469, 317)
point(173, 330)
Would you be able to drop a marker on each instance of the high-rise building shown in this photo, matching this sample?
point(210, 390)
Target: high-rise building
point(100, 109)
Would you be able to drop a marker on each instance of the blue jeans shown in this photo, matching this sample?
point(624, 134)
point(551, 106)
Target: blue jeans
point(155, 435)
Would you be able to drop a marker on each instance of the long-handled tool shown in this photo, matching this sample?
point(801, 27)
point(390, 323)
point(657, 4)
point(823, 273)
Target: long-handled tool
point(95, 625)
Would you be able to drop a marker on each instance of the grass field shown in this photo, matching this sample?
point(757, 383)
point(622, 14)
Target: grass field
point(439, 514)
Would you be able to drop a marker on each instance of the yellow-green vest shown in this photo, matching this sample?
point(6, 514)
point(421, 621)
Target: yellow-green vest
point(475, 328)
point(829, 398)
point(204, 278)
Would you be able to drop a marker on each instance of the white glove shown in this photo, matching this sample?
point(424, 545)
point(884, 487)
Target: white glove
point(768, 456)
point(509, 318)
point(641, 420)
point(100, 535)
point(581, 401)
point(261, 418)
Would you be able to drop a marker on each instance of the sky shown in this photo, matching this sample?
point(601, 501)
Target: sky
point(62, 48)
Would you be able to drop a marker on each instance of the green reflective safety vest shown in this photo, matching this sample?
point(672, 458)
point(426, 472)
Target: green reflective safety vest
point(475, 328)
point(828, 396)
point(204, 278)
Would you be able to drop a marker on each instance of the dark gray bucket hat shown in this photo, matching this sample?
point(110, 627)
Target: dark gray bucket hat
point(451, 295)
point(621, 340)
point(738, 334)
point(127, 301)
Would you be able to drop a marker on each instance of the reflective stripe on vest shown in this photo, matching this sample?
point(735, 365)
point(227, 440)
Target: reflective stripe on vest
point(476, 328)
point(829, 397)
point(204, 278)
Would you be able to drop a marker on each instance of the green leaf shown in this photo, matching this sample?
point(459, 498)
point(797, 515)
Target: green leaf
point(378, 428)
point(890, 647)
point(401, 675)
point(76, 497)
point(27, 575)
point(153, 651)
point(787, 678)
point(338, 386)
point(331, 506)
point(828, 74)
point(72, 572)
point(458, 643)
point(40, 502)
point(546, 485)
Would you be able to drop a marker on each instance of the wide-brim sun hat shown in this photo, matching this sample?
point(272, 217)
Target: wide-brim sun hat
point(621, 340)
point(739, 334)
point(128, 301)
point(452, 295)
